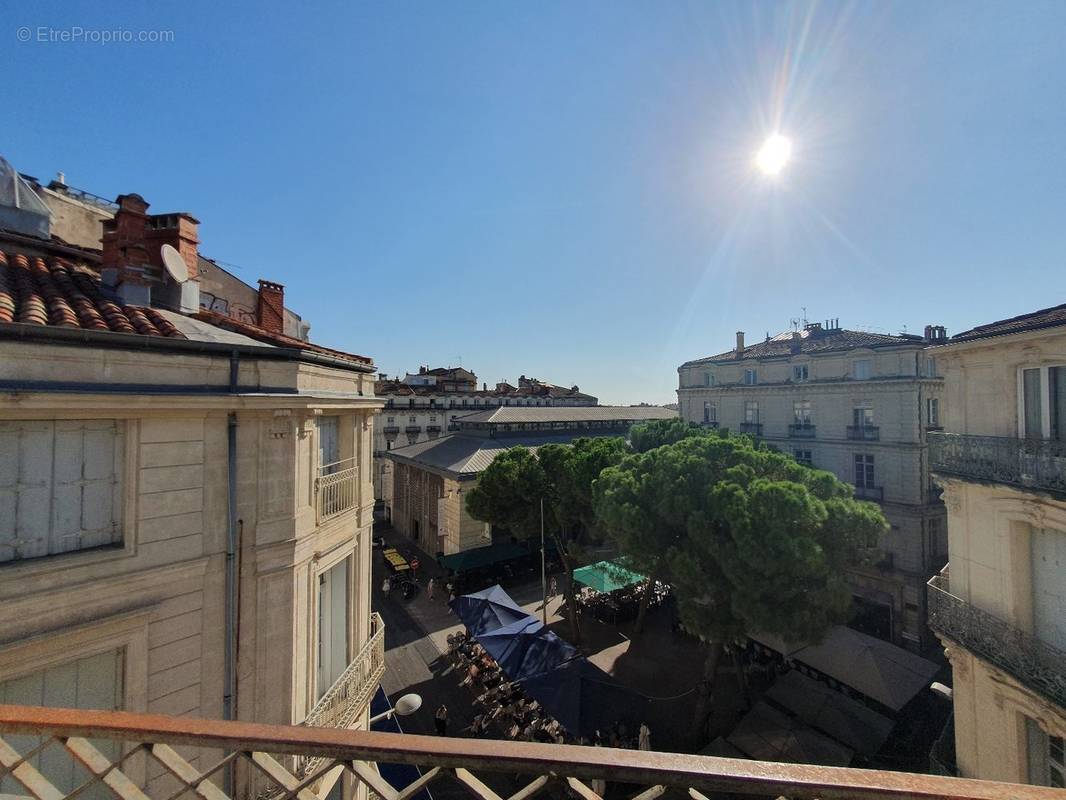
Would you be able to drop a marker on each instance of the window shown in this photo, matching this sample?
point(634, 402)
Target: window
point(93, 682)
point(432, 417)
point(411, 402)
point(60, 486)
point(751, 411)
point(803, 457)
point(1047, 548)
point(862, 369)
point(862, 416)
point(1047, 756)
point(412, 419)
point(391, 420)
point(710, 411)
point(864, 471)
point(930, 368)
point(1043, 388)
point(801, 412)
point(932, 412)
point(708, 379)
point(750, 377)
point(333, 615)
point(328, 444)
point(799, 373)
point(388, 444)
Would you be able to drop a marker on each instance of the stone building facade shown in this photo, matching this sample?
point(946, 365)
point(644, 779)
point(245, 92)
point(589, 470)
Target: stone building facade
point(422, 407)
point(859, 405)
point(185, 507)
point(1000, 606)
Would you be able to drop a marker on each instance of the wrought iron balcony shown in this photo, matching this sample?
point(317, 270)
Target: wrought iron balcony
point(710, 423)
point(801, 430)
point(391, 430)
point(864, 433)
point(337, 488)
point(875, 493)
point(413, 429)
point(754, 428)
point(1034, 464)
point(1035, 663)
point(433, 429)
point(163, 757)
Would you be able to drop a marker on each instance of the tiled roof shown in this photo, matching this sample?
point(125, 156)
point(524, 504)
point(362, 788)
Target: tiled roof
point(276, 339)
point(1045, 318)
point(468, 455)
point(549, 414)
point(399, 388)
point(54, 291)
point(810, 342)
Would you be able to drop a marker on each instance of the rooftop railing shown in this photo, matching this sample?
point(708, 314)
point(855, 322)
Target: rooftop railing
point(1033, 662)
point(1035, 464)
point(163, 757)
point(336, 487)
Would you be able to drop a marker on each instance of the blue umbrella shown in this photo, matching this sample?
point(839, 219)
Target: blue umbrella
point(487, 610)
point(526, 648)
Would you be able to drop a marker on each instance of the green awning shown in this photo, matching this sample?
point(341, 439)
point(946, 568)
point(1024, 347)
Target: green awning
point(606, 576)
point(482, 556)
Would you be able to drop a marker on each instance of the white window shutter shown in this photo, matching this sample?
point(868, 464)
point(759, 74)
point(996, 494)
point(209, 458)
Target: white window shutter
point(33, 515)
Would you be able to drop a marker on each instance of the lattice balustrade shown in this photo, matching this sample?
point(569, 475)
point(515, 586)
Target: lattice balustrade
point(255, 754)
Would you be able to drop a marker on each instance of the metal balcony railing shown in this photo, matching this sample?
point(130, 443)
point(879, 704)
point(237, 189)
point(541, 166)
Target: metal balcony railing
point(349, 696)
point(152, 768)
point(337, 488)
point(754, 428)
point(413, 429)
point(864, 433)
point(1035, 464)
point(1035, 663)
point(391, 430)
point(876, 493)
point(710, 423)
point(801, 430)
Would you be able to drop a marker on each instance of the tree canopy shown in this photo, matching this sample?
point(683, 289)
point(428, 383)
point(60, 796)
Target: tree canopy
point(749, 539)
point(649, 435)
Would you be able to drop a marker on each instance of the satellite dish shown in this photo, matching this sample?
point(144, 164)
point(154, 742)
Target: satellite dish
point(174, 263)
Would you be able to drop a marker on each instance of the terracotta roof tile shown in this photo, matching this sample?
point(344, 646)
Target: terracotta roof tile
point(53, 291)
point(277, 339)
point(1035, 320)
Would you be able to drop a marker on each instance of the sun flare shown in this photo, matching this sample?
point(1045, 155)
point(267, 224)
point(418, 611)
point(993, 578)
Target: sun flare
point(773, 155)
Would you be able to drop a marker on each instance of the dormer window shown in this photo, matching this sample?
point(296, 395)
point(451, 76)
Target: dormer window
point(750, 378)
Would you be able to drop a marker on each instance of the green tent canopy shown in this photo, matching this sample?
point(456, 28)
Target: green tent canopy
point(606, 576)
point(482, 556)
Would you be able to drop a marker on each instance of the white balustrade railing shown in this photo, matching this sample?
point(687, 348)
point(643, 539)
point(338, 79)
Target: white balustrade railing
point(337, 488)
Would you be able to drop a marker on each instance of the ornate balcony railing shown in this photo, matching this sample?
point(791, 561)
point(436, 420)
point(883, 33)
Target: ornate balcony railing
point(337, 488)
point(754, 428)
point(350, 695)
point(391, 430)
point(864, 433)
point(802, 430)
point(1035, 663)
point(151, 766)
point(1035, 464)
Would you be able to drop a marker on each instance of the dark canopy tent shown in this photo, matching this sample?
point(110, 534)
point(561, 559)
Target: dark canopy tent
point(487, 610)
point(584, 698)
point(526, 648)
point(479, 557)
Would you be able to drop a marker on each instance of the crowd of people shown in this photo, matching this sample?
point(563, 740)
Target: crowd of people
point(621, 605)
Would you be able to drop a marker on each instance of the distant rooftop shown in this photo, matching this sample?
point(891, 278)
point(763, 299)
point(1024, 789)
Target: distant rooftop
point(813, 340)
point(563, 414)
point(1035, 320)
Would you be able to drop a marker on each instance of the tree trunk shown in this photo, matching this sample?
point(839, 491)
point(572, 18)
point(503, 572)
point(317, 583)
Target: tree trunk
point(705, 691)
point(571, 602)
point(643, 610)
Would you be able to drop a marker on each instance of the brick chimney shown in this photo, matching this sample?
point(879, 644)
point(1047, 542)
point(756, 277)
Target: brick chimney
point(740, 343)
point(132, 241)
point(935, 334)
point(271, 312)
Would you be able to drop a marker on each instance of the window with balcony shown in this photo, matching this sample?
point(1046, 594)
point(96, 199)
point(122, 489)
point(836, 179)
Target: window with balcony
point(865, 477)
point(750, 377)
point(751, 411)
point(803, 457)
point(335, 485)
point(328, 444)
point(862, 425)
point(862, 369)
point(800, 373)
point(333, 624)
point(1043, 406)
point(710, 413)
point(61, 486)
point(932, 412)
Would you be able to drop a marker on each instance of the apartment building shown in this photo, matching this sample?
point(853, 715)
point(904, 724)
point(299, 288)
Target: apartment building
point(859, 405)
point(422, 406)
point(1000, 606)
point(427, 501)
point(185, 498)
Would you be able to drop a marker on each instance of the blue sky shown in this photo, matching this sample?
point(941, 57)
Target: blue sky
point(566, 189)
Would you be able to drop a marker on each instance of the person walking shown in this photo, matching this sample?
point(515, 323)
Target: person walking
point(553, 587)
point(430, 587)
point(644, 737)
point(440, 719)
point(385, 587)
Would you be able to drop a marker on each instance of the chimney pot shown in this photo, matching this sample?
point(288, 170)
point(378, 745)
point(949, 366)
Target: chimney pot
point(61, 178)
point(740, 343)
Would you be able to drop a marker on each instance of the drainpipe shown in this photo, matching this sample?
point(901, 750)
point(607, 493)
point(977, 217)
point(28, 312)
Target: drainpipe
point(229, 696)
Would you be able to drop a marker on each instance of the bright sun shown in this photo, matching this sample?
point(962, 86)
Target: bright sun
point(773, 155)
